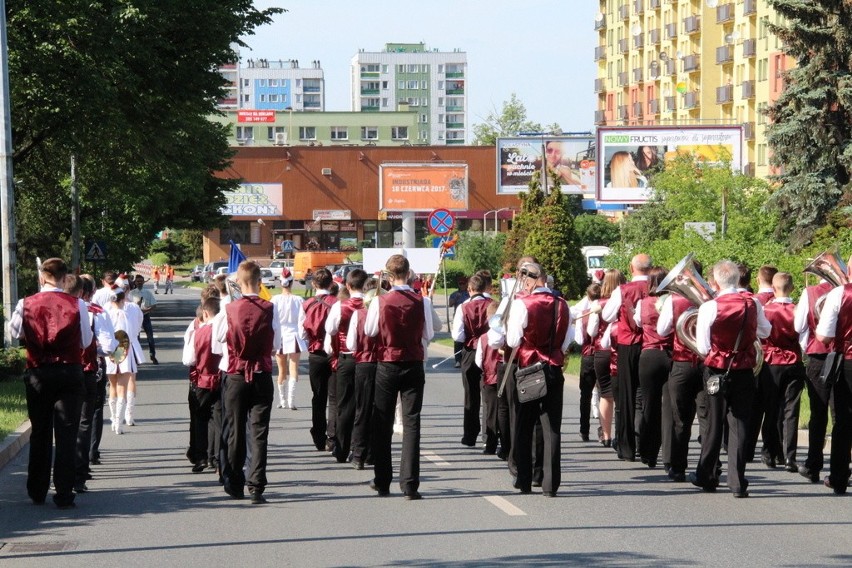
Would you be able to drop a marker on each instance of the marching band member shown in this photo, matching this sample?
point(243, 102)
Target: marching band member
point(587, 361)
point(763, 295)
point(290, 311)
point(489, 361)
point(595, 329)
point(126, 317)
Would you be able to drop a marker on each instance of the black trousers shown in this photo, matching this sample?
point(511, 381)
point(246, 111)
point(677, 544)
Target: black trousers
point(84, 432)
point(489, 411)
point(54, 396)
point(192, 404)
point(407, 381)
point(733, 407)
point(98, 416)
point(204, 402)
point(510, 394)
point(756, 424)
point(504, 422)
point(365, 387)
point(345, 405)
point(780, 391)
point(626, 387)
point(819, 396)
point(686, 382)
point(654, 368)
point(841, 432)
point(471, 379)
point(246, 401)
point(795, 383)
point(149, 334)
point(587, 385)
point(603, 378)
point(214, 431)
point(319, 373)
point(547, 410)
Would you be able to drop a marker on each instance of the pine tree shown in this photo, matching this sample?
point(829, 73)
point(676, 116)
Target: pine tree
point(810, 134)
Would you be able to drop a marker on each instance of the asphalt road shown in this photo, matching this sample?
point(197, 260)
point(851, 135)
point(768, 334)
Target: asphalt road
point(146, 508)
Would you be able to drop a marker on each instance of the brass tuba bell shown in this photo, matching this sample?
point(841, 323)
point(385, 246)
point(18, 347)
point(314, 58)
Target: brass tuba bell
point(120, 353)
point(830, 267)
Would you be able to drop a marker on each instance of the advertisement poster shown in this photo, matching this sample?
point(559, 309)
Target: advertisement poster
point(422, 187)
point(255, 200)
point(572, 158)
point(628, 156)
point(250, 116)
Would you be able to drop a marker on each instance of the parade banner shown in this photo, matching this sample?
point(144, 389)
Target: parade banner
point(630, 156)
point(422, 187)
point(572, 158)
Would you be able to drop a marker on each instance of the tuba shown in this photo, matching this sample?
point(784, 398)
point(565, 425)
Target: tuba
point(830, 267)
point(120, 353)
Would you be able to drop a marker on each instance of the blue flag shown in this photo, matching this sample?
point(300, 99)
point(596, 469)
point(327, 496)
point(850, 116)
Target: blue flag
point(236, 258)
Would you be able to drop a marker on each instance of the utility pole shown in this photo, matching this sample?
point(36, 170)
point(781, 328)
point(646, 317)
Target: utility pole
point(7, 187)
point(75, 219)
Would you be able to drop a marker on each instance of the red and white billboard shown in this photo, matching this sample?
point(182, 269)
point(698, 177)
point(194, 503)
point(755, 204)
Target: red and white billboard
point(250, 116)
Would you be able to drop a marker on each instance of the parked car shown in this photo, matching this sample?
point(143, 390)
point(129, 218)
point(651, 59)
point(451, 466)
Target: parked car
point(210, 269)
point(197, 273)
point(340, 271)
point(278, 266)
point(267, 278)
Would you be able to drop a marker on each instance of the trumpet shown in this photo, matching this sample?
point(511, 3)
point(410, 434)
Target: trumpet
point(497, 322)
point(120, 353)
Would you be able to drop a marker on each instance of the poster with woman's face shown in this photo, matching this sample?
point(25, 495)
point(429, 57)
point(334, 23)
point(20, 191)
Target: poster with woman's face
point(571, 159)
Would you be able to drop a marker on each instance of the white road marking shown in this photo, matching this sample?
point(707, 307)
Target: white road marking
point(505, 506)
point(435, 459)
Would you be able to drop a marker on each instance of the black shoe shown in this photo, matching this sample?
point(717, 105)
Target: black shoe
point(525, 489)
point(549, 493)
point(80, 488)
point(839, 489)
point(329, 445)
point(677, 476)
point(707, 487)
point(584, 437)
point(768, 462)
point(154, 360)
point(606, 443)
point(805, 471)
point(199, 467)
point(791, 467)
point(489, 452)
point(467, 442)
point(257, 498)
point(503, 455)
point(89, 477)
point(358, 464)
point(95, 461)
point(233, 492)
point(37, 500)
point(413, 496)
point(740, 494)
point(381, 491)
point(65, 505)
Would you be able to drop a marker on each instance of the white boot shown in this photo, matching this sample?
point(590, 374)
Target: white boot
point(119, 413)
point(291, 393)
point(281, 401)
point(131, 405)
point(596, 400)
point(112, 402)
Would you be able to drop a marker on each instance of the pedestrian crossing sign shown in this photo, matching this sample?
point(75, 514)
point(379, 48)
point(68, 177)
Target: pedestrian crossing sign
point(95, 251)
point(287, 246)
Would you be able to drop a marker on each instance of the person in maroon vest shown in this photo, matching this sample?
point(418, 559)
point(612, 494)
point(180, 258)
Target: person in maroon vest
point(204, 382)
point(364, 349)
point(604, 355)
point(469, 323)
point(55, 328)
point(401, 320)
point(835, 324)
point(538, 327)
point(655, 363)
point(782, 354)
point(720, 321)
point(685, 384)
point(763, 295)
point(247, 337)
point(320, 370)
point(587, 359)
point(621, 307)
point(490, 361)
point(337, 326)
point(819, 394)
point(765, 289)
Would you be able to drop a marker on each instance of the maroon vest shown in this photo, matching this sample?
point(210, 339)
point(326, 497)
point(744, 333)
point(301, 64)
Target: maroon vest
point(844, 322)
point(596, 340)
point(650, 338)
point(681, 352)
point(733, 313)
point(316, 312)
point(250, 336)
point(365, 346)
point(588, 347)
point(782, 346)
point(764, 297)
point(541, 333)
point(90, 353)
point(193, 372)
point(490, 362)
point(401, 321)
point(207, 375)
point(475, 320)
point(51, 326)
point(347, 308)
point(814, 346)
point(631, 293)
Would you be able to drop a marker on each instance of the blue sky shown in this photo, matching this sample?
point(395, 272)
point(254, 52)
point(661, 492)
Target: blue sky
point(540, 49)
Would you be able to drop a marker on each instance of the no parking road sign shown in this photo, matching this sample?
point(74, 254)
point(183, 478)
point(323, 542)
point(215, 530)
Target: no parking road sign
point(441, 222)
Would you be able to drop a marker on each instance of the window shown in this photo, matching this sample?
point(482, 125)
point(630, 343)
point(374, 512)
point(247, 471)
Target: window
point(307, 133)
point(384, 84)
point(245, 82)
point(263, 98)
point(384, 102)
point(413, 101)
point(761, 69)
point(271, 131)
point(273, 82)
point(237, 231)
point(273, 98)
point(369, 133)
point(424, 101)
point(400, 68)
point(440, 119)
point(339, 133)
point(424, 135)
point(440, 85)
point(761, 154)
point(424, 118)
point(262, 82)
point(413, 68)
point(412, 84)
point(384, 68)
point(400, 85)
point(245, 132)
point(298, 83)
point(761, 113)
point(245, 98)
point(424, 85)
point(440, 68)
point(440, 101)
point(399, 133)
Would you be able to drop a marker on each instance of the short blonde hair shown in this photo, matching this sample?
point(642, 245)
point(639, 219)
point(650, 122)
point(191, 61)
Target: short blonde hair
point(248, 273)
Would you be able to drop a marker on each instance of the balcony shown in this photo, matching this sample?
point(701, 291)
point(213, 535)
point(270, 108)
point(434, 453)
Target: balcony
point(455, 108)
point(624, 11)
point(455, 125)
point(692, 24)
point(600, 52)
point(366, 108)
point(455, 74)
point(724, 13)
point(639, 41)
point(654, 106)
point(748, 89)
point(724, 94)
point(638, 110)
point(671, 31)
point(654, 36)
point(749, 48)
point(369, 91)
point(622, 79)
point(369, 74)
point(623, 112)
point(748, 130)
point(599, 85)
point(670, 104)
point(654, 4)
point(691, 63)
point(654, 71)
point(456, 91)
point(600, 25)
point(639, 7)
point(637, 75)
point(750, 7)
point(600, 116)
point(691, 100)
point(724, 54)
point(623, 45)
point(670, 67)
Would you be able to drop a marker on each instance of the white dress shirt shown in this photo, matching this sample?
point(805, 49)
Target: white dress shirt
point(219, 341)
point(707, 315)
point(371, 324)
point(518, 320)
point(291, 319)
point(457, 330)
point(613, 306)
point(827, 326)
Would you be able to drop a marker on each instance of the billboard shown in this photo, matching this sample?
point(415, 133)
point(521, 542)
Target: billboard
point(572, 158)
point(629, 155)
point(244, 116)
point(255, 200)
point(422, 187)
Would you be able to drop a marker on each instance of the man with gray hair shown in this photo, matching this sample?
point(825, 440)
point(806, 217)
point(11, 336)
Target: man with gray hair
point(725, 333)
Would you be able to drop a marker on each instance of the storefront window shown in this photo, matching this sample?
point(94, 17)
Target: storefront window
point(237, 231)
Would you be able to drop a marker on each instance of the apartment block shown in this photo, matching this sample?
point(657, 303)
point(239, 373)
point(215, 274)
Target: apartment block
point(431, 83)
point(689, 62)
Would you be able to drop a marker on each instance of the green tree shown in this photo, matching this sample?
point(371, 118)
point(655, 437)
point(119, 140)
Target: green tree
point(810, 132)
point(531, 201)
point(481, 252)
point(596, 230)
point(509, 121)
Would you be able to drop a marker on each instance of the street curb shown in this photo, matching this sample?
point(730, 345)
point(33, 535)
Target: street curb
point(14, 443)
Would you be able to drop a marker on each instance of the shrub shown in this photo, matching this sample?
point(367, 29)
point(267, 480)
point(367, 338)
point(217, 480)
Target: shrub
point(13, 362)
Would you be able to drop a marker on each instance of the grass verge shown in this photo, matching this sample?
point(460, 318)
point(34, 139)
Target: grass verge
point(13, 406)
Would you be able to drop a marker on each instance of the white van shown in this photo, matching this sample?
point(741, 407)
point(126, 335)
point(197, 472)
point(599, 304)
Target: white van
point(595, 258)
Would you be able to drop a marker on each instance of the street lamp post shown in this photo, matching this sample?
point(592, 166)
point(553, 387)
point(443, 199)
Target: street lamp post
point(484, 222)
point(497, 212)
point(271, 237)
